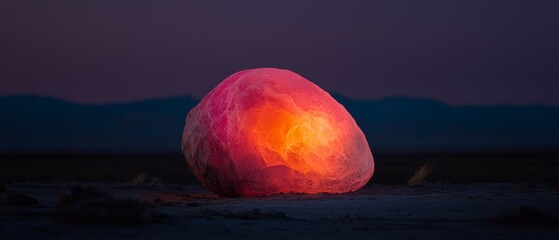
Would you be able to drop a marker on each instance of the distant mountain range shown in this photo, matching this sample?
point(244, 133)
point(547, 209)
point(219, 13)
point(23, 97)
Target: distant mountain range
point(30, 123)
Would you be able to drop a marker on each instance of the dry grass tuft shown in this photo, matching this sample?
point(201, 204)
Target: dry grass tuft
point(139, 179)
point(419, 177)
point(143, 179)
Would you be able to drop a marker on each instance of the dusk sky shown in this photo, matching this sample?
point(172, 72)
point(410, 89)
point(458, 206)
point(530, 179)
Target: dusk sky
point(459, 52)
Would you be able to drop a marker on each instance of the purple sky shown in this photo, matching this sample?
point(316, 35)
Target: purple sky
point(460, 52)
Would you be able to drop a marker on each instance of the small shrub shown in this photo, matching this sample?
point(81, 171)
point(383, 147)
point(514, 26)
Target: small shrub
point(139, 179)
point(419, 177)
point(143, 179)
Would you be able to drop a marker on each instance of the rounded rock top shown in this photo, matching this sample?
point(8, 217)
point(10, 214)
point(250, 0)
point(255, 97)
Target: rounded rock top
point(267, 131)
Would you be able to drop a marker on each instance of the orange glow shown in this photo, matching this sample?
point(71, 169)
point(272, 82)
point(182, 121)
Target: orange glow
point(268, 131)
point(296, 140)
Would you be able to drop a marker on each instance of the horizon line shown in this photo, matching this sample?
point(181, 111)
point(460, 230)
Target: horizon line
point(335, 95)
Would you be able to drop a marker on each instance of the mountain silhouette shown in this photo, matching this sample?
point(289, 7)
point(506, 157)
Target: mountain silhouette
point(31, 123)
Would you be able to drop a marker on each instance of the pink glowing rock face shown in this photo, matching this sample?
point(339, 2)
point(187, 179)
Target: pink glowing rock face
point(267, 131)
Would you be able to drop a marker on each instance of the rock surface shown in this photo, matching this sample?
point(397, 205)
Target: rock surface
point(19, 200)
point(268, 131)
point(79, 204)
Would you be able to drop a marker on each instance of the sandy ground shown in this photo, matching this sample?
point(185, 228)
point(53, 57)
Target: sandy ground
point(436, 211)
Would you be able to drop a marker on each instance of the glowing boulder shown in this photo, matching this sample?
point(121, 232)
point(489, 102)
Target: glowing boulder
point(267, 131)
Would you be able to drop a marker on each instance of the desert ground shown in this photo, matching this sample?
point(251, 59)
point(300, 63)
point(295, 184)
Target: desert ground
point(72, 210)
point(88, 202)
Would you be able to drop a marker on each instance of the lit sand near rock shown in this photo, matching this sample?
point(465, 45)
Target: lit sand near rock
point(268, 131)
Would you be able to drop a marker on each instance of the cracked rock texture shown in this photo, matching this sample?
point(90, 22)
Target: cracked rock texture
point(267, 131)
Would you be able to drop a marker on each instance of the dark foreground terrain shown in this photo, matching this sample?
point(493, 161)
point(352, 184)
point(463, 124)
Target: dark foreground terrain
point(73, 210)
point(153, 196)
point(390, 168)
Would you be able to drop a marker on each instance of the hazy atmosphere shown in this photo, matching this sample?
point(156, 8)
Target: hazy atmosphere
point(458, 52)
point(290, 119)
